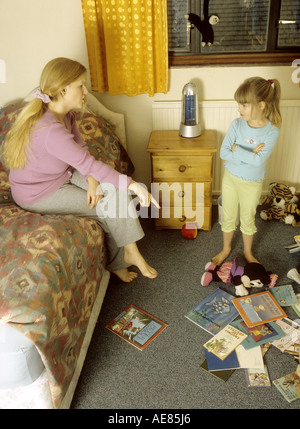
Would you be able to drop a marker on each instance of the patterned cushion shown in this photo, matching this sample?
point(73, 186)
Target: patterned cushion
point(103, 143)
point(97, 133)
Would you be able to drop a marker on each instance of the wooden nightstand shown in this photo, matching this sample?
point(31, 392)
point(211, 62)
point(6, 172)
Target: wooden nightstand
point(182, 178)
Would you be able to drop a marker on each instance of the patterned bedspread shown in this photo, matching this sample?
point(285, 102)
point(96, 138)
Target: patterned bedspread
point(51, 266)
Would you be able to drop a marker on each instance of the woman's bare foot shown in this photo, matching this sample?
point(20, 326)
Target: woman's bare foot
point(125, 275)
point(220, 257)
point(132, 256)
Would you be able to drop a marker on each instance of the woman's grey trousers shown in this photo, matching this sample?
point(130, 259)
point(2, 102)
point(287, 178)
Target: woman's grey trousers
point(115, 213)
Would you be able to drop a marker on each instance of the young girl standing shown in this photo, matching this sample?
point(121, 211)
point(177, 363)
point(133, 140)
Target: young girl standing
point(247, 145)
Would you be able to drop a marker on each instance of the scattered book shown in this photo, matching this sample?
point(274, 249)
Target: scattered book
point(289, 386)
point(136, 326)
point(258, 308)
point(216, 364)
point(225, 341)
point(291, 331)
point(214, 312)
point(221, 375)
point(257, 377)
point(284, 295)
point(293, 248)
point(259, 334)
point(238, 358)
point(296, 307)
point(250, 358)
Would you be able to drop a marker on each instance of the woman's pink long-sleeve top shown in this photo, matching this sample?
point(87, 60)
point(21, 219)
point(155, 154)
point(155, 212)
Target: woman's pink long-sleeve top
point(53, 153)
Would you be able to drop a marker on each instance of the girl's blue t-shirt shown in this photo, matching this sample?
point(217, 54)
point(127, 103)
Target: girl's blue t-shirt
point(243, 162)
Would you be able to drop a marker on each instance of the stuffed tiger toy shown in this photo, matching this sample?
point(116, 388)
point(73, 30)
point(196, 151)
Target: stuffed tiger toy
point(281, 204)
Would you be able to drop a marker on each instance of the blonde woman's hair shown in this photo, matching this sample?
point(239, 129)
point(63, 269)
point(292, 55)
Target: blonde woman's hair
point(56, 75)
point(256, 89)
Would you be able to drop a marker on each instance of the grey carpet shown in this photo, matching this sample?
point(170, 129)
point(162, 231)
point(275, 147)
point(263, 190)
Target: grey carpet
point(167, 374)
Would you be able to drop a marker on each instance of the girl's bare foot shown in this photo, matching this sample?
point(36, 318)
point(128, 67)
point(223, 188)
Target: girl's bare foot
point(220, 257)
point(125, 275)
point(248, 240)
point(132, 256)
point(250, 258)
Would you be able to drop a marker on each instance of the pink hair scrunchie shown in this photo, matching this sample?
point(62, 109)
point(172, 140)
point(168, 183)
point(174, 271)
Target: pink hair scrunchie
point(44, 97)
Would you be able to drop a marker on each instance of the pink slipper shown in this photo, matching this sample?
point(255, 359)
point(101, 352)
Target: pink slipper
point(206, 279)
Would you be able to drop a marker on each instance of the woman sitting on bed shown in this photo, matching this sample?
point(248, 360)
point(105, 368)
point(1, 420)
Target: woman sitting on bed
point(52, 171)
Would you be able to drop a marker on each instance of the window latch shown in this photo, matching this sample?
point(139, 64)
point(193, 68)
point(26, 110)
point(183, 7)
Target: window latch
point(189, 26)
point(285, 21)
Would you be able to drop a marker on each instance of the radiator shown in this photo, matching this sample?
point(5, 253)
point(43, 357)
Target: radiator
point(284, 163)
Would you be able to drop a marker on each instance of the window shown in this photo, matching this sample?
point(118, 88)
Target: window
point(247, 31)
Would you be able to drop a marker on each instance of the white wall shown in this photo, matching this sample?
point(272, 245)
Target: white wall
point(32, 32)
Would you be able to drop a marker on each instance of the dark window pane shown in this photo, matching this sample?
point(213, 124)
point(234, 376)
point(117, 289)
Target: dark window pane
point(289, 24)
point(177, 24)
point(242, 27)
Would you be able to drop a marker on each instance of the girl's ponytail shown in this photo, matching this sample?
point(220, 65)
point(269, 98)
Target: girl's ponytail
point(274, 106)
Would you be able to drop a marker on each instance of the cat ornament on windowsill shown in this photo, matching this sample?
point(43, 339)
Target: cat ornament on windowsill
point(205, 26)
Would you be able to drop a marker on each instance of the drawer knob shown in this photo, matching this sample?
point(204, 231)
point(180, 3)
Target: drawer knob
point(181, 194)
point(182, 168)
point(182, 219)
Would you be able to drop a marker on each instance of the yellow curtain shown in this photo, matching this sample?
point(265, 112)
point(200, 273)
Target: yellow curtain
point(127, 42)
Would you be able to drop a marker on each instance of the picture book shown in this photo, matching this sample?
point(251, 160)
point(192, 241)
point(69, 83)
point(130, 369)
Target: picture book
point(136, 326)
point(296, 307)
point(257, 377)
point(222, 375)
point(216, 364)
point(259, 334)
point(284, 295)
point(258, 308)
point(225, 341)
point(294, 350)
point(292, 334)
point(289, 386)
point(252, 358)
point(238, 358)
point(214, 312)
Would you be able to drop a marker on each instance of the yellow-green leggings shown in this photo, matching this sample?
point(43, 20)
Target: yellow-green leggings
point(239, 194)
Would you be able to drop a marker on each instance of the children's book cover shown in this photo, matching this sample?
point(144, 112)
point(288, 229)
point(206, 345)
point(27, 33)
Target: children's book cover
point(259, 334)
point(225, 341)
point(214, 312)
point(289, 386)
point(259, 308)
point(215, 364)
point(296, 307)
point(257, 377)
point(284, 295)
point(292, 334)
point(136, 326)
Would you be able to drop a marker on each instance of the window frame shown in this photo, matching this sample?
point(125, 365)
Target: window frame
point(273, 54)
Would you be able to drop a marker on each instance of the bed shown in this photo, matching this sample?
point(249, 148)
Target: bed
point(52, 278)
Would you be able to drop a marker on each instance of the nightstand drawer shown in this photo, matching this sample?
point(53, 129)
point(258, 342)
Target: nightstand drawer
point(175, 219)
point(186, 194)
point(182, 168)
